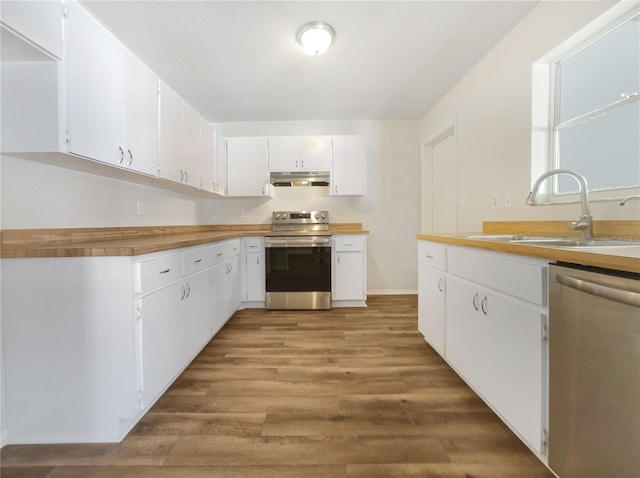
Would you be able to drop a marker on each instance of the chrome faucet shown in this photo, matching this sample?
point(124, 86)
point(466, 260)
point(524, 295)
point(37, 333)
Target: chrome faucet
point(584, 223)
point(624, 201)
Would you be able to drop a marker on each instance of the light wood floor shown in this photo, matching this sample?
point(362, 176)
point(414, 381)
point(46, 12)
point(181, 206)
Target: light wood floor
point(346, 392)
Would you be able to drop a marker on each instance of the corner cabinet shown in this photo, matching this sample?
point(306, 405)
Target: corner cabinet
point(247, 167)
point(489, 323)
point(349, 271)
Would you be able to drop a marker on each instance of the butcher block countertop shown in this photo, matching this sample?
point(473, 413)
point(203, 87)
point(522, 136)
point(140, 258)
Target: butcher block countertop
point(620, 258)
point(129, 241)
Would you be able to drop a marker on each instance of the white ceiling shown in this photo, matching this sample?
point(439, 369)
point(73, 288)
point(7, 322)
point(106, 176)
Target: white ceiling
point(239, 60)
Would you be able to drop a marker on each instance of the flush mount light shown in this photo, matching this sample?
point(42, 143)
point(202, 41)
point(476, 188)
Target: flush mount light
point(316, 37)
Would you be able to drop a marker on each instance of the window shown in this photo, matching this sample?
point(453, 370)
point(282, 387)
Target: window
point(592, 108)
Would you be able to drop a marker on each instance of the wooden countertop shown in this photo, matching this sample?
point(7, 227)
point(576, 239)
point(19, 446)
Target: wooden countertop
point(619, 258)
point(129, 241)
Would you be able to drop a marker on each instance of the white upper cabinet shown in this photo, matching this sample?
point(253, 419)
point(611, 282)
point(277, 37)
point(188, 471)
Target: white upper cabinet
point(348, 170)
point(112, 98)
point(247, 172)
point(208, 157)
point(95, 99)
point(220, 186)
point(299, 153)
point(141, 133)
point(181, 152)
point(315, 153)
point(39, 22)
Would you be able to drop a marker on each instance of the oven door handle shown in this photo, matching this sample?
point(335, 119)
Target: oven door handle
point(297, 242)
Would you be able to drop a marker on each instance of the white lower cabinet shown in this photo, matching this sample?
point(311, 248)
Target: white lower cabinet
point(253, 270)
point(489, 322)
point(349, 271)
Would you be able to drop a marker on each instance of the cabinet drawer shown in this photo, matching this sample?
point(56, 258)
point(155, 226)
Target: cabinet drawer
point(231, 248)
point(254, 244)
point(505, 273)
point(157, 272)
point(432, 254)
point(348, 243)
point(217, 253)
point(197, 259)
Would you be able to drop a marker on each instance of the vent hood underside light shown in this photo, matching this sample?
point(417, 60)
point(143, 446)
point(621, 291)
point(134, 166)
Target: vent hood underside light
point(298, 178)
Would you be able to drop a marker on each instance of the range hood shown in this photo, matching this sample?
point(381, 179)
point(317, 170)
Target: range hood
point(299, 178)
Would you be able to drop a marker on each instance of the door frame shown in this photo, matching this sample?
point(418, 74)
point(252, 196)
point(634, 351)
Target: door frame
point(448, 129)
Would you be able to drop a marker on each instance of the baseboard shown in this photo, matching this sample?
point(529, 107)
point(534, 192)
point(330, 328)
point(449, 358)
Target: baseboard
point(392, 292)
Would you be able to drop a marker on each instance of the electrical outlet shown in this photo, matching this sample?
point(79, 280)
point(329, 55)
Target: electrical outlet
point(494, 201)
point(507, 200)
point(460, 206)
point(140, 208)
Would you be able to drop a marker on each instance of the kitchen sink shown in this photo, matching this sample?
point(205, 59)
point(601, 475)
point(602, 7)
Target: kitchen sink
point(555, 241)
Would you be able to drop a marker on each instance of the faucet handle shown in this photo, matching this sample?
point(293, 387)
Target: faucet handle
point(581, 224)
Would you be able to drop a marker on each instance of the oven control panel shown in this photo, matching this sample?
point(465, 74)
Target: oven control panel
point(299, 217)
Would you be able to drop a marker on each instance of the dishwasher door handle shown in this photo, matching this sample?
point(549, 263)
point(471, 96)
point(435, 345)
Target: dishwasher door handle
point(622, 296)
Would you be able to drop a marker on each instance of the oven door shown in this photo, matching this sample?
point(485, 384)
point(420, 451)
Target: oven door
point(298, 272)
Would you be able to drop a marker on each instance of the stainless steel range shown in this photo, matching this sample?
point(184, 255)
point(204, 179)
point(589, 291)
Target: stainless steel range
point(298, 260)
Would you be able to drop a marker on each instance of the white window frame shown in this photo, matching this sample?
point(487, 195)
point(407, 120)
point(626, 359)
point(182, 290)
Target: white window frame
point(544, 108)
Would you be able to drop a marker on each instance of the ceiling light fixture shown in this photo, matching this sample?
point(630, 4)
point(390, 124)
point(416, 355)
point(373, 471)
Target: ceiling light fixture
point(316, 37)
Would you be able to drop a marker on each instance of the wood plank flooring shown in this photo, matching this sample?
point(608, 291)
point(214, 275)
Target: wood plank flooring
point(340, 393)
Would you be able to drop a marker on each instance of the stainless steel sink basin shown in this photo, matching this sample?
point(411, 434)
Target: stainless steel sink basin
point(555, 241)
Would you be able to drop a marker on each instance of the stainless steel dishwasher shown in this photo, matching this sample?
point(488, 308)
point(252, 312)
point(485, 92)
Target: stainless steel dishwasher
point(594, 372)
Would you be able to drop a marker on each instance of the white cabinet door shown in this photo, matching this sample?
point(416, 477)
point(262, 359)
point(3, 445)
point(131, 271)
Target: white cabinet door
point(221, 165)
point(94, 89)
point(196, 317)
point(348, 281)
point(495, 342)
point(284, 153)
point(315, 153)
point(208, 157)
point(218, 291)
point(162, 339)
point(141, 131)
point(247, 173)
point(191, 146)
point(234, 284)
point(172, 163)
point(348, 169)
point(431, 306)
point(255, 277)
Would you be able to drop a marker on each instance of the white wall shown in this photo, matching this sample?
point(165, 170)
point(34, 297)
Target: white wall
point(492, 109)
point(36, 195)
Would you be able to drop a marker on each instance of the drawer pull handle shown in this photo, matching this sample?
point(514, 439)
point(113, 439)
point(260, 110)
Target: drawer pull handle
point(348, 245)
point(440, 283)
point(475, 301)
point(165, 271)
point(429, 256)
point(219, 254)
point(485, 305)
point(197, 260)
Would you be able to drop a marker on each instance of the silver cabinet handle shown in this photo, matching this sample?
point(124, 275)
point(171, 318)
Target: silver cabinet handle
point(485, 305)
point(186, 176)
point(219, 254)
point(121, 155)
point(475, 301)
point(130, 157)
point(296, 163)
point(440, 285)
point(302, 163)
point(182, 291)
point(429, 256)
point(197, 261)
point(181, 176)
point(164, 271)
point(188, 290)
point(626, 297)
